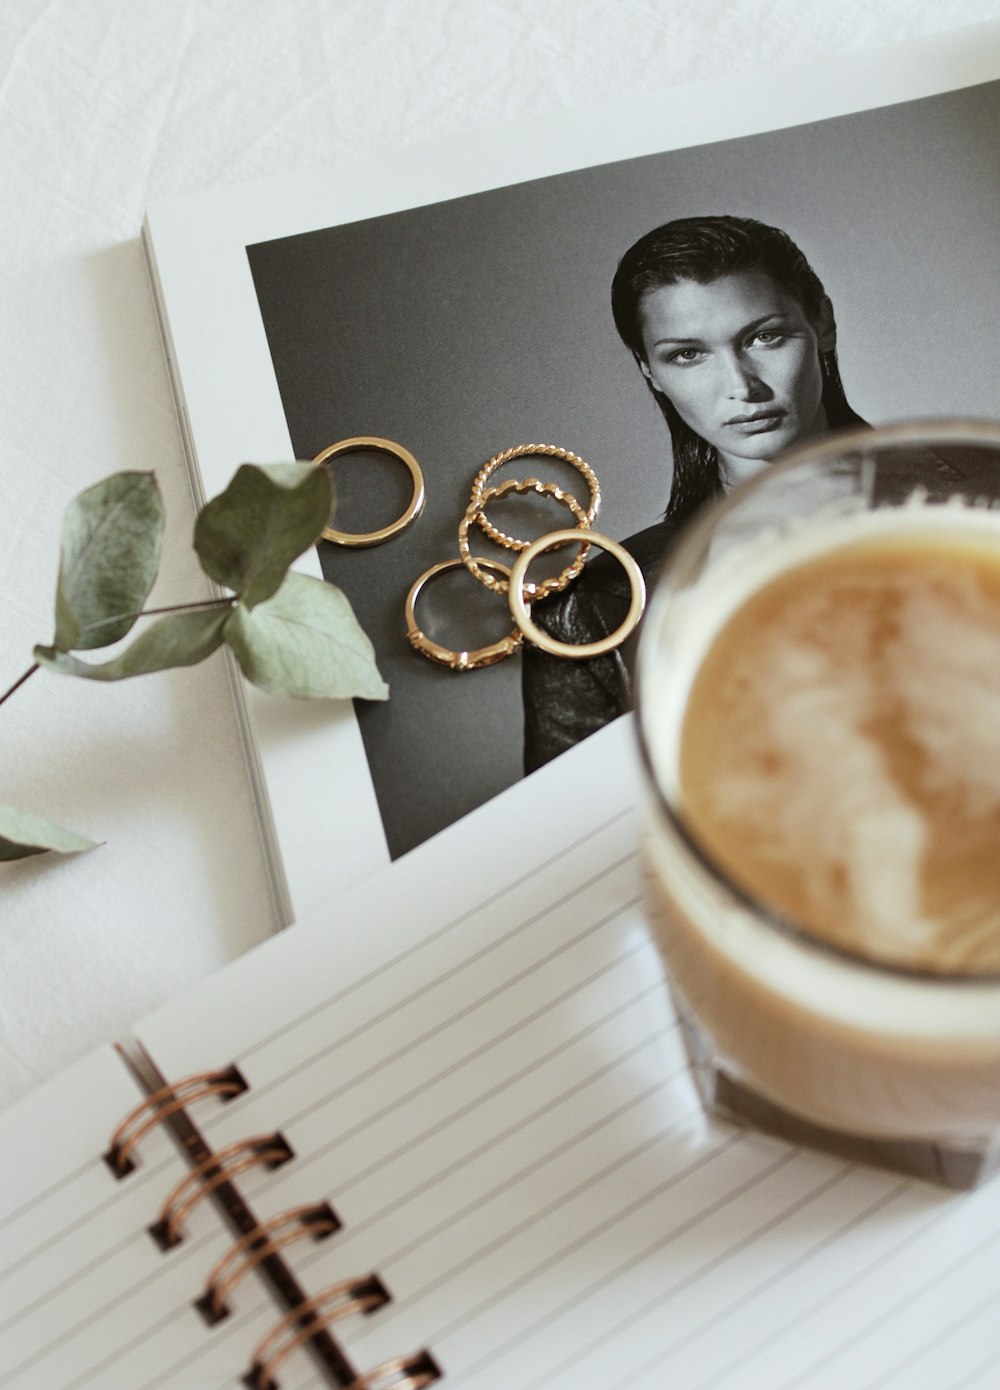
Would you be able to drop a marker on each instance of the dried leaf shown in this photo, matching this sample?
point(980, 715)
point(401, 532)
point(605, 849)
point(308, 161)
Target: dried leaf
point(305, 641)
point(179, 639)
point(247, 537)
point(110, 553)
point(22, 833)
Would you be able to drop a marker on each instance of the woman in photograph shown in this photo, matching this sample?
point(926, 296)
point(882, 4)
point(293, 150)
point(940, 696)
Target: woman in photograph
point(736, 339)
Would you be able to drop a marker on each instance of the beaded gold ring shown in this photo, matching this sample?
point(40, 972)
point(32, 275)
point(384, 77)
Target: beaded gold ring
point(547, 586)
point(444, 656)
point(531, 630)
point(414, 507)
point(477, 503)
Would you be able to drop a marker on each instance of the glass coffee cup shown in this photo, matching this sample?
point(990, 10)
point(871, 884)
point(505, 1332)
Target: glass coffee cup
point(818, 703)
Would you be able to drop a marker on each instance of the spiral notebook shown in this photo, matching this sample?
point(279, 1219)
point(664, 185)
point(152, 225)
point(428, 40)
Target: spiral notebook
point(445, 1133)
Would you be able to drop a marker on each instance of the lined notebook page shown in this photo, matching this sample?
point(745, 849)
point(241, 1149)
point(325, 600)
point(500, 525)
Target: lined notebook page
point(476, 1062)
point(86, 1297)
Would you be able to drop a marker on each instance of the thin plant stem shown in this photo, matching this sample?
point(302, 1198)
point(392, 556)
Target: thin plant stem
point(227, 601)
point(143, 613)
point(18, 683)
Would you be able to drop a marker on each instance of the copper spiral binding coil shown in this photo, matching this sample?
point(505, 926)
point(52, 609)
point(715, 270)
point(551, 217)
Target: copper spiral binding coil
point(167, 1101)
point(402, 1373)
point(314, 1221)
point(214, 1170)
point(297, 1326)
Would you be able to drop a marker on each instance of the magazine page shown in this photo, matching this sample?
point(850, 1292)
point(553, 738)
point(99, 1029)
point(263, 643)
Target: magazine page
point(457, 302)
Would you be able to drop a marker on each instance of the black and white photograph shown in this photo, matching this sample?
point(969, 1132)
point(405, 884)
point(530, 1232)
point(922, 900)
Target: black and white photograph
point(677, 321)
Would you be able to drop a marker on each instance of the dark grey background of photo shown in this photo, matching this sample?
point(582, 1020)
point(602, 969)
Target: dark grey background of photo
point(465, 327)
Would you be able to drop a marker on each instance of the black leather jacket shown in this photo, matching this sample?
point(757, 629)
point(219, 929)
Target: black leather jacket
point(565, 700)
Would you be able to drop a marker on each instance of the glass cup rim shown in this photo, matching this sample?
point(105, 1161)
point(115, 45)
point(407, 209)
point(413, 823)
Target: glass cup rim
point(678, 566)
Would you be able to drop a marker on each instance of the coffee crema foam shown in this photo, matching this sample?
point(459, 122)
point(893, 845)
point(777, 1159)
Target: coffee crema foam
point(840, 752)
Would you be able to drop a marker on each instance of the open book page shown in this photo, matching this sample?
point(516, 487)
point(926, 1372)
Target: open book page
point(87, 1298)
point(476, 1062)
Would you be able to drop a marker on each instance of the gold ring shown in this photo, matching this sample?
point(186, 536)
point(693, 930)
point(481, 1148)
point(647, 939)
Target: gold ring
point(456, 661)
point(547, 586)
point(531, 630)
point(476, 501)
point(382, 446)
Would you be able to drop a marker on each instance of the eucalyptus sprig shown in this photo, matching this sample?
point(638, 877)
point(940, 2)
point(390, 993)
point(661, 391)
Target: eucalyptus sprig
point(290, 633)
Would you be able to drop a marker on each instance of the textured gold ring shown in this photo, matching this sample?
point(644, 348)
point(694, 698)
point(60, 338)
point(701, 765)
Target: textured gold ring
point(476, 501)
point(381, 446)
point(456, 661)
point(534, 633)
point(547, 586)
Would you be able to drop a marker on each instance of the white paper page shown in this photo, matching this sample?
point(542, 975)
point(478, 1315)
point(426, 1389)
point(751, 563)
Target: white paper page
point(87, 1298)
point(477, 1064)
point(317, 804)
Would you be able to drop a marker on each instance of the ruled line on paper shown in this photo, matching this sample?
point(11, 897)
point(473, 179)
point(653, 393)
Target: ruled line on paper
point(520, 1123)
point(540, 1161)
point(220, 1332)
point(305, 1160)
point(107, 1361)
point(441, 1026)
point(888, 1312)
point(100, 1367)
point(233, 1325)
point(236, 1322)
point(652, 1194)
point(43, 1196)
point(89, 1268)
point(539, 1213)
point(143, 1175)
point(942, 1335)
point(820, 1304)
point(432, 937)
point(762, 1286)
point(52, 1343)
point(386, 1262)
point(513, 1079)
point(977, 1371)
point(716, 1262)
point(191, 1247)
point(624, 1266)
point(310, 1383)
point(190, 1250)
point(373, 1021)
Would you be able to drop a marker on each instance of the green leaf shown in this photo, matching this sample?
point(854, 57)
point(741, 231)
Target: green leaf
point(305, 641)
point(22, 833)
point(110, 552)
point(247, 537)
point(180, 639)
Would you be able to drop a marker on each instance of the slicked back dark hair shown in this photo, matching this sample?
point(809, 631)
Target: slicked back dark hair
point(703, 249)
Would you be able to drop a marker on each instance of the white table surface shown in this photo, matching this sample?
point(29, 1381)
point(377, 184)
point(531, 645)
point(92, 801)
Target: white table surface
point(105, 105)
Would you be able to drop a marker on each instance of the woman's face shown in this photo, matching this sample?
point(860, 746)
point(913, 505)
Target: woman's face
point(739, 359)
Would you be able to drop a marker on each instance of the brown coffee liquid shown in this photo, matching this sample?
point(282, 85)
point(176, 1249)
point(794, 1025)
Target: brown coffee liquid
point(840, 753)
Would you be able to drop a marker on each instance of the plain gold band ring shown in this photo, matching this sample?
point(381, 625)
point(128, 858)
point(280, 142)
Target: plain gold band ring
point(456, 661)
point(381, 446)
point(531, 630)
